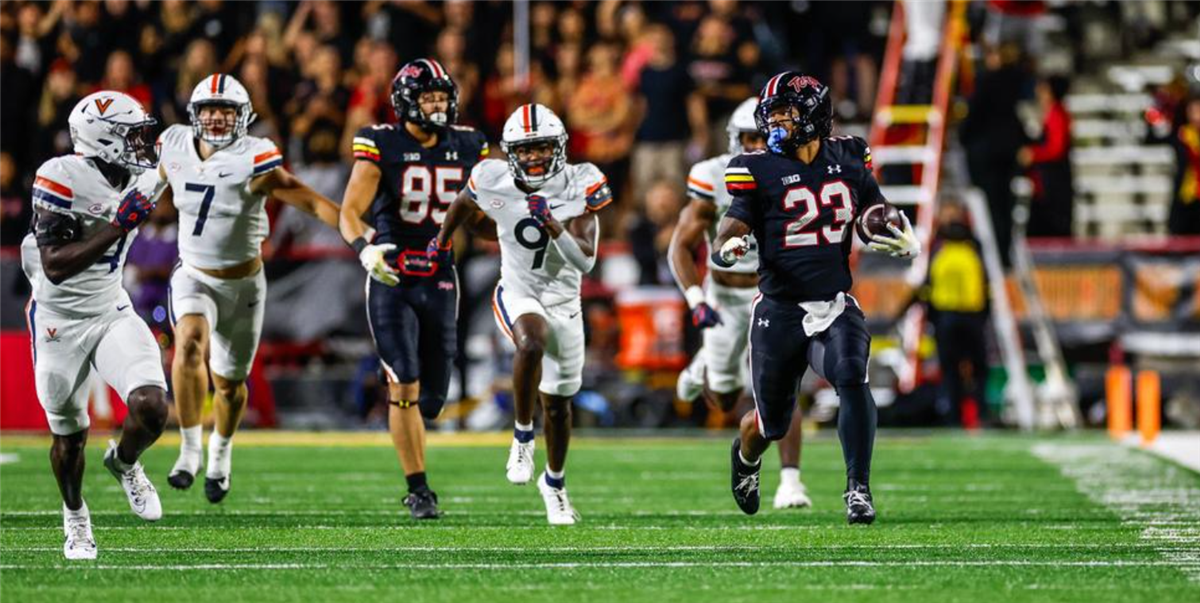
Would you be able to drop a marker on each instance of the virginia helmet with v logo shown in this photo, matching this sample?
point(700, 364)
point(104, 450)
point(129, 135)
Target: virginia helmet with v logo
point(220, 90)
point(115, 128)
point(532, 126)
point(416, 78)
point(809, 114)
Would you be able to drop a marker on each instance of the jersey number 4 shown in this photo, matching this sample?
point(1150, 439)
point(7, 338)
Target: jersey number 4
point(418, 188)
point(796, 232)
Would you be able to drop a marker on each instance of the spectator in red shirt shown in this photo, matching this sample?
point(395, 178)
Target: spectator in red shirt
point(119, 75)
point(1049, 164)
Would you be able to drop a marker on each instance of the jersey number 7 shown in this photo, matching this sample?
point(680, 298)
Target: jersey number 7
point(834, 193)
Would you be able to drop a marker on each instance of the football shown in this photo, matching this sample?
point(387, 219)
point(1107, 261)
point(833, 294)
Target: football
point(875, 219)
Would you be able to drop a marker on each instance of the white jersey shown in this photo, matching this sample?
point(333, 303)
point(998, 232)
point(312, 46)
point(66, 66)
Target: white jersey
point(221, 223)
point(706, 182)
point(530, 265)
point(72, 185)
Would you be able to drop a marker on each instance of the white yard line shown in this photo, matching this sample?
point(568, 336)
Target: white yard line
point(593, 565)
point(7, 458)
point(1160, 498)
point(601, 548)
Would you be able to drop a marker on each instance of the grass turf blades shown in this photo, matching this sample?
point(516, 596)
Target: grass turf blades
point(960, 518)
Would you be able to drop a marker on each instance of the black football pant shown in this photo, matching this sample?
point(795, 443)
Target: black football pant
point(414, 326)
point(780, 352)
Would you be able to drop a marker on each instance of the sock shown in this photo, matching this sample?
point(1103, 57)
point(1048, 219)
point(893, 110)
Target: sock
point(856, 430)
point(556, 479)
point(523, 432)
point(748, 463)
point(789, 475)
point(82, 511)
point(191, 439)
point(220, 455)
point(416, 481)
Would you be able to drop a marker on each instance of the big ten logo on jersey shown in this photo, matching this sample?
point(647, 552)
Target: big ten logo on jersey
point(426, 193)
point(530, 233)
point(806, 230)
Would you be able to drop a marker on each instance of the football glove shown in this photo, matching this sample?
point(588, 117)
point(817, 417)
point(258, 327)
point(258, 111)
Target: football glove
point(704, 316)
point(438, 253)
point(904, 245)
point(732, 251)
point(539, 208)
point(372, 259)
point(133, 210)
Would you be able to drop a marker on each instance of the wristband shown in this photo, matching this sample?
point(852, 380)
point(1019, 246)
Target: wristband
point(358, 245)
point(694, 296)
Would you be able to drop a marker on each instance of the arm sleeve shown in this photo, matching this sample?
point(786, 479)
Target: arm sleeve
point(267, 157)
point(868, 188)
point(739, 181)
point(365, 147)
point(596, 191)
point(52, 188)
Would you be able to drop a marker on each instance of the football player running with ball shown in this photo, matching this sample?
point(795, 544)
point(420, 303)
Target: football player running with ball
point(722, 306)
point(799, 200)
point(544, 210)
point(87, 208)
point(220, 178)
point(406, 176)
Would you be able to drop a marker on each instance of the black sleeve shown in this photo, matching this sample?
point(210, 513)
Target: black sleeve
point(868, 187)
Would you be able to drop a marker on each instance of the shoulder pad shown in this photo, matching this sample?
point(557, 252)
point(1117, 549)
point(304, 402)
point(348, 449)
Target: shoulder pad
point(53, 186)
point(266, 155)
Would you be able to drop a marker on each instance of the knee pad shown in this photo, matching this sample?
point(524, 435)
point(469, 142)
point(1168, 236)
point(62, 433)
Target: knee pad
point(431, 406)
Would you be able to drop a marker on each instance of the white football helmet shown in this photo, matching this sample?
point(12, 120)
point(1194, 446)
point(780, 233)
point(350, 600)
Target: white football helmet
point(741, 122)
point(221, 89)
point(530, 124)
point(115, 128)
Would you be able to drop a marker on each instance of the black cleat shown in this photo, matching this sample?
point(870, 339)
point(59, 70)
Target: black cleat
point(216, 489)
point(744, 480)
point(858, 505)
point(422, 503)
point(181, 480)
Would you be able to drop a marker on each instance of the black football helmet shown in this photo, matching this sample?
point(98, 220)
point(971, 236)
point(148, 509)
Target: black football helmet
point(423, 75)
point(812, 111)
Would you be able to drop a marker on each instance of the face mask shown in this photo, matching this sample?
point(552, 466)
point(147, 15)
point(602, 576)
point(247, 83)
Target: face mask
point(775, 139)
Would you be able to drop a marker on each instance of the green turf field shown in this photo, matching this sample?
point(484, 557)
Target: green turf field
point(960, 518)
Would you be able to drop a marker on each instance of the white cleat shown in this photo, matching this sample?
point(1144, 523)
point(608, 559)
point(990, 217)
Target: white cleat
point(143, 498)
point(559, 511)
point(690, 384)
point(77, 527)
point(520, 462)
point(792, 495)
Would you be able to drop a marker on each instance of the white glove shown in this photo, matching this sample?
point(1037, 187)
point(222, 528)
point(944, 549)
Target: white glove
point(372, 259)
point(905, 245)
point(734, 249)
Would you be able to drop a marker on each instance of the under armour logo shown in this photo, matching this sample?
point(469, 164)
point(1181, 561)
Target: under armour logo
point(451, 155)
point(764, 323)
point(834, 169)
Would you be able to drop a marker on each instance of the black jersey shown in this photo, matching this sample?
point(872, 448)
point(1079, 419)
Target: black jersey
point(802, 215)
point(418, 184)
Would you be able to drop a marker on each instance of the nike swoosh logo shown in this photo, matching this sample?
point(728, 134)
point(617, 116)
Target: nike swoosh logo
point(220, 175)
point(556, 206)
point(119, 308)
point(575, 314)
point(252, 304)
